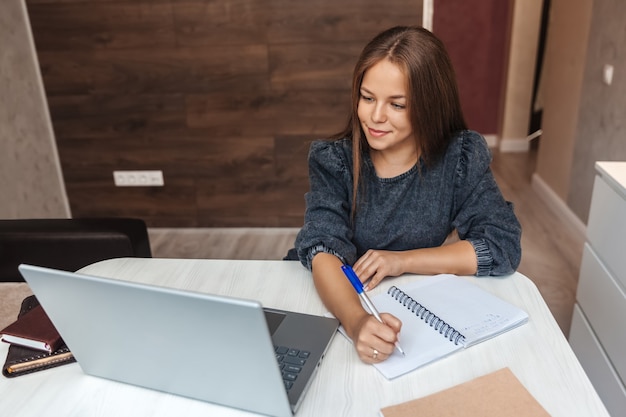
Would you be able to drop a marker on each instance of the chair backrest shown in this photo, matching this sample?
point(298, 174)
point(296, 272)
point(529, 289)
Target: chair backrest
point(68, 244)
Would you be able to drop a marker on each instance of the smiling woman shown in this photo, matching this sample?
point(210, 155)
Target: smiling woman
point(385, 121)
point(404, 174)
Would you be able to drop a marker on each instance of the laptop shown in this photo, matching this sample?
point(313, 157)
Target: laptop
point(212, 348)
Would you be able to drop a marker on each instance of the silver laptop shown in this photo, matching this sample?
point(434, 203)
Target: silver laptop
point(212, 348)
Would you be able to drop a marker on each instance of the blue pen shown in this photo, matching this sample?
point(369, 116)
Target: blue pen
point(358, 286)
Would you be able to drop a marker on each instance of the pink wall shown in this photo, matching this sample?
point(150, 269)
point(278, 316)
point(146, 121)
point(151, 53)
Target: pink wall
point(476, 34)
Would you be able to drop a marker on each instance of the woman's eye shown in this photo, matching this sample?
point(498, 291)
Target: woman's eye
point(365, 98)
point(398, 106)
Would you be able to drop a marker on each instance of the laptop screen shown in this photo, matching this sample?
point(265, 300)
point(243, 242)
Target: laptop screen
point(273, 320)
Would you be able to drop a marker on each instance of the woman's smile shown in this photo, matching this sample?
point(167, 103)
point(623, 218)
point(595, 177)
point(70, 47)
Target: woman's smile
point(377, 133)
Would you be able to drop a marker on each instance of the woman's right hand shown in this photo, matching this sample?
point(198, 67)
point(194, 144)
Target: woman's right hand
point(375, 341)
point(339, 297)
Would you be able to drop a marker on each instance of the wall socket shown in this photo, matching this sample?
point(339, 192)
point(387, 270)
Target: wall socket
point(138, 178)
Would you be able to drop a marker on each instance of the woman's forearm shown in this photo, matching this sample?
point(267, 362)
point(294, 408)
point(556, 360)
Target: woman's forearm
point(336, 292)
point(457, 258)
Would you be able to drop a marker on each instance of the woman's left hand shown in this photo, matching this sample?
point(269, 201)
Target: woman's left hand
point(376, 265)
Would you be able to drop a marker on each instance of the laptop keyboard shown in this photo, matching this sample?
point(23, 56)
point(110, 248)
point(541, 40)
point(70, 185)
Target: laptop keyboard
point(290, 361)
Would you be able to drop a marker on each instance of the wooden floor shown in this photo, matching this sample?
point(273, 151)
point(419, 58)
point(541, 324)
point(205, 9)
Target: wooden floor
point(551, 252)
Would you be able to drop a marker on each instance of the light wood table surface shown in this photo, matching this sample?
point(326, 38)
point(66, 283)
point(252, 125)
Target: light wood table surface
point(537, 352)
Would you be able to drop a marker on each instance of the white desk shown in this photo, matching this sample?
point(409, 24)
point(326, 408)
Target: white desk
point(536, 352)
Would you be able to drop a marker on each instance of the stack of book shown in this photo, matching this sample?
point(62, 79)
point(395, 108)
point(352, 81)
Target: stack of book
point(34, 342)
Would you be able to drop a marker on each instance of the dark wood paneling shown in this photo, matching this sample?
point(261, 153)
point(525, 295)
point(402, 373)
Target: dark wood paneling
point(290, 155)
point(234, 22)
point(155, 71)
point(223, 96)
point(314, 66)
point(315, 112)
point(331, 21)
point(240, 157)
point(119, 25)
point(172, 206)
point(108, 117)
point(236, 201)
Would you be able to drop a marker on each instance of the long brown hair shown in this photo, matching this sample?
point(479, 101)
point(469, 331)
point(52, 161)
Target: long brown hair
point(433, 100)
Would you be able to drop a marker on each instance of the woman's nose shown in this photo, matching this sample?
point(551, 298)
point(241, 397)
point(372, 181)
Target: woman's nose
point(378, 113)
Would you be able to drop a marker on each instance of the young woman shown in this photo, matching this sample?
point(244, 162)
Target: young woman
point(403, 176)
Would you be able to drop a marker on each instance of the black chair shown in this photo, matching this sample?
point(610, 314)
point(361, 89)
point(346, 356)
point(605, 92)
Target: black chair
point(68, 244)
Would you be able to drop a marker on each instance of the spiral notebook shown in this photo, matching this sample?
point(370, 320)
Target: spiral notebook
point(441, 315)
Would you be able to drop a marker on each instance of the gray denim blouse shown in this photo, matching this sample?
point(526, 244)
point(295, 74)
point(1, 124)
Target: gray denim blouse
point(417, 209)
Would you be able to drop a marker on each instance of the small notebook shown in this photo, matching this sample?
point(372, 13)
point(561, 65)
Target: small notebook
point(441, 315)
point(33, 330)
point(23, 360)
point(498, 394)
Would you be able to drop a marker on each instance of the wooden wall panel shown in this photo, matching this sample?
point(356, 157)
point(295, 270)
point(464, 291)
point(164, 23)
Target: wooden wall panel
point(155, 71)
point(233, 22)
point(170, 206)
point(315, 112)
point(318, 66)
point(98, 116)
point(119, 25)
point(223, 96)
point(303, 22)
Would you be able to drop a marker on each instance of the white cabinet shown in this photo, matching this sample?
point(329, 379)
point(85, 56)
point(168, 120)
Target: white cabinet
point(598, 332)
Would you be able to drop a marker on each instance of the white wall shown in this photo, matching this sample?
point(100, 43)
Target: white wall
point(520, 75)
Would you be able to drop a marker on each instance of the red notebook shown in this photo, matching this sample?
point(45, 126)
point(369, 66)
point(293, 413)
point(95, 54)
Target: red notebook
point(33, 330)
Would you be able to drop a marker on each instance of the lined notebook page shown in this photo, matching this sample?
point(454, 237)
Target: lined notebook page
point(475, 313)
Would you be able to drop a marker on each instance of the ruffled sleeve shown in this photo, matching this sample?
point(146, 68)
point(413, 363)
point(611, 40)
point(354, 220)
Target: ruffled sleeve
point(482, 215)
point(328, 203)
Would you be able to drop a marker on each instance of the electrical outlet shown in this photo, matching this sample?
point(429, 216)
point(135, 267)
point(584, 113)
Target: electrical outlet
point(138, 178)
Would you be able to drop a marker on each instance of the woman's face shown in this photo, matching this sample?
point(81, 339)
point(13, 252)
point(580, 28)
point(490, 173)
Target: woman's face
point(382, 108)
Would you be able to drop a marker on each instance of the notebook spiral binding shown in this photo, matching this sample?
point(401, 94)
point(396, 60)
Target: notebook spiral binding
point(428, 316)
